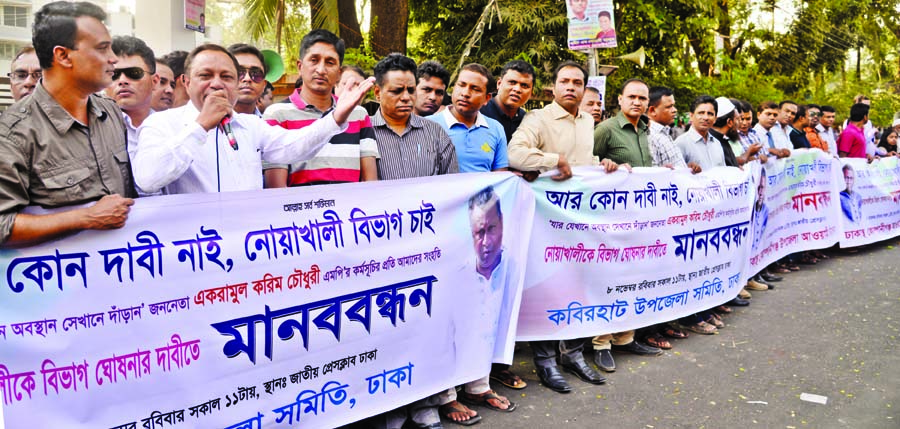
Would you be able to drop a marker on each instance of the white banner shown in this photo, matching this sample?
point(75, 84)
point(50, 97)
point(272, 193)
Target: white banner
point(869, 200)
point(309, 307)
point(626, 250)
point(796, 207)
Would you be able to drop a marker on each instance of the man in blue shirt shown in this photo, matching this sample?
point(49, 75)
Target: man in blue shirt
point(479, 140)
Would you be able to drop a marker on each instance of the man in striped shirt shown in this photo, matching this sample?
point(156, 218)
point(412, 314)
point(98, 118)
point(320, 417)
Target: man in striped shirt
point(347, 157)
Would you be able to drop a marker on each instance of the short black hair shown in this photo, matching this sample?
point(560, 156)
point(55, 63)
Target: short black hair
point(766, 105)
point(54, 25)
point(322, 36)
point(485, 198)
point(780, 105)
point(813, 106)
point(430, 69)
point(208, 47)
point(518, 66)
point(738, 107)
point(746, 107)
point(592, 89)
point(355, 69)
point(657, 93)
point(393, 62)
point(243, 48)
point(604, 13)
point(569, 63)
point(127, 46)
point(801, 112)
point(175, 61)
point(269, 87)
point(827, 108)
point(705, 99)
point(858, 112)
point(482, 70)
point(629, 82)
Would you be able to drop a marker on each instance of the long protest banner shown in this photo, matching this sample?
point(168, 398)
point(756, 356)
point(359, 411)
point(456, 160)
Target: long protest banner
point(796, 207)
point(310, 307)
point(612, 252)
point(869, 200)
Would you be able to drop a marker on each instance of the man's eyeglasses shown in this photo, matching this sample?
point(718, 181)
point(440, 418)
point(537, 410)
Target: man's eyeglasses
point(133, 73)
point(256, 74)
point(815, 114)
point(20, 75)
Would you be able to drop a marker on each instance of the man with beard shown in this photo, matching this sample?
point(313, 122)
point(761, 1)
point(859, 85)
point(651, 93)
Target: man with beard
point(164, 91)
point(723, 129)
point(432, 80)
point(813, 113)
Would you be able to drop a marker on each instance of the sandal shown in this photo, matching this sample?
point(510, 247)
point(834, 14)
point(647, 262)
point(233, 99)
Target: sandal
point(716, 321)
point(723, 309)
point(780, 269)
point(658, 341)
point(674, 332)
point(508, 379)
point(484, 401)
point(701, 328)
point(455, 407)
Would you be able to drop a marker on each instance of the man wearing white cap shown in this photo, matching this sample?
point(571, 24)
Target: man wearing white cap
point(723, 129)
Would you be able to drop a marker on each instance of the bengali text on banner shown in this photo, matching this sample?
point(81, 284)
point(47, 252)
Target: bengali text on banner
point(869, 196)
point(311, 307)
point(612, 252)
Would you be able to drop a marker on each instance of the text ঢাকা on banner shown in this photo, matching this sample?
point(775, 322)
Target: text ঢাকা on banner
point(612, 252)
point(311, 307)
point(795, 207)
point(592, 24)
point(869, 196)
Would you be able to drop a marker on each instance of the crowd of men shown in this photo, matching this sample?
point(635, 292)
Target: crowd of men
point(205, 121)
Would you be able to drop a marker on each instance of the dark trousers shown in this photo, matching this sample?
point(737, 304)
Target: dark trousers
point(545, 352)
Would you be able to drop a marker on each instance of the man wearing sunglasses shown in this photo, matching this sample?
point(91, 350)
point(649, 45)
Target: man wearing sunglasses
point(63, 145)
point(25, 73)
point(251, 77)
point(133, 81)
point(205, 146)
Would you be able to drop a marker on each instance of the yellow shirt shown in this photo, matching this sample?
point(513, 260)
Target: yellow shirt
point(545, 133)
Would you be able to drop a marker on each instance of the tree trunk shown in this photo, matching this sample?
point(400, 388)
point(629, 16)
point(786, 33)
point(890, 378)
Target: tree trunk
point(703, 64)
point(390, 19)
point(349, 23)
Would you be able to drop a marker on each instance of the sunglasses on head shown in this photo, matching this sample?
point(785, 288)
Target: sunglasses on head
point(256, 74)
point(133, 73)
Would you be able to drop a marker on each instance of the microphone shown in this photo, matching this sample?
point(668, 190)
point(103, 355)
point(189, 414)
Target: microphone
point(226, 126)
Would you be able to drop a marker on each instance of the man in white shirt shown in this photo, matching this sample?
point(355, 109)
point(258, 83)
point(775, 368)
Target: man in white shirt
point(194, 148)
point(766, 129)
point(133, 82)
point(826, 129)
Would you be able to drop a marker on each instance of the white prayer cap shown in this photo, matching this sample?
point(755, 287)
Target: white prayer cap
point(725, 107)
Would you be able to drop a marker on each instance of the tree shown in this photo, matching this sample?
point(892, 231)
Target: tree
point(389, 26)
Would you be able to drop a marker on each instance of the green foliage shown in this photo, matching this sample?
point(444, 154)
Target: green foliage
point(362, 58)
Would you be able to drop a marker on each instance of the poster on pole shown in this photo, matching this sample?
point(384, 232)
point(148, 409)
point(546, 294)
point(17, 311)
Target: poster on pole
point(195, 15)
point(599, 83)
point(591, 24)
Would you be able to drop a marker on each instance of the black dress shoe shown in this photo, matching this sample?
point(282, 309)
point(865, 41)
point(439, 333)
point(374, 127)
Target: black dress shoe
point(771, 277)
point(551, 378)
point(739, 302)
point(584, 371)
point(638, 349)
point(604, 360)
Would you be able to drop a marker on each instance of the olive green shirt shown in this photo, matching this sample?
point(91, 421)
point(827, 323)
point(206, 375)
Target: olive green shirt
point(618, 140)
point(48, 158)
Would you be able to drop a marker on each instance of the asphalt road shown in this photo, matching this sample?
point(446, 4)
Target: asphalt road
point(829, 330)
